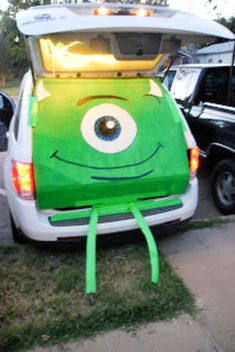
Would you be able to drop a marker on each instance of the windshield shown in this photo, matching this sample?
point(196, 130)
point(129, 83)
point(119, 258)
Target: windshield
point(111, 52)
point(184, 83)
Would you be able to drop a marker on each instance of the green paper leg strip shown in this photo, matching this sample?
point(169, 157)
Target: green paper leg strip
point(91, 248)
point(153, 252)
point(91, 253)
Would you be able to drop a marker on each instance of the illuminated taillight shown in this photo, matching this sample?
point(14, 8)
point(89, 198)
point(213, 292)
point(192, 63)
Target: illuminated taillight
point(194, 160)
point(23, 179)
point(107, 11)
point(102, 11)
point(143, 12)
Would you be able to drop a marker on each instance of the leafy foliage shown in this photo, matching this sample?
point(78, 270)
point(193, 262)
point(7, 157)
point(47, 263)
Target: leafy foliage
point(3, 57)
point(154, 2)
point(228, 22)
point(13, 57)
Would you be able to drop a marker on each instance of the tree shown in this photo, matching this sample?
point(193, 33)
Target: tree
point(228, 22)
point(217, 9)
point(3, 59)
point(150, 2)
point(14, 53)
point(12, 47)
point(157, 2)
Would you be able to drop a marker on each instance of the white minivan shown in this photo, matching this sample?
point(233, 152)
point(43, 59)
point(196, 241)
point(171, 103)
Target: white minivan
point(94, 130)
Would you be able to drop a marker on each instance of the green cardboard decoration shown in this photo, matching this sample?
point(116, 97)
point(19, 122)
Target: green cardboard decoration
point(102, 144)
point(154, 164)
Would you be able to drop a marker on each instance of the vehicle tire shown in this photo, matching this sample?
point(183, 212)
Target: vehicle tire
point(17, 234)
point(223, 186)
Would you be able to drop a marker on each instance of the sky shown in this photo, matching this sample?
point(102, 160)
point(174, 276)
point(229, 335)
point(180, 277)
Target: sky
point(226, 8)
point(3, 4)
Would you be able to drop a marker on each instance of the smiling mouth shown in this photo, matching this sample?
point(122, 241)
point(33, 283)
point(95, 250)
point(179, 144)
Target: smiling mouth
point(121, 178)
point(156, 150)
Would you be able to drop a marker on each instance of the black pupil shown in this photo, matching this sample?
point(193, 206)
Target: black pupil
point(107, 128)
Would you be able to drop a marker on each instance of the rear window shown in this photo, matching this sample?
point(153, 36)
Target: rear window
point(214, 87)
point(138, 44)
point(91, 52)
point(184, 83)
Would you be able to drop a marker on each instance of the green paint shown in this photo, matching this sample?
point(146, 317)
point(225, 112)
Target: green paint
point(63, 185)
point(91, 253)
point(153, 252)
point(116, 209)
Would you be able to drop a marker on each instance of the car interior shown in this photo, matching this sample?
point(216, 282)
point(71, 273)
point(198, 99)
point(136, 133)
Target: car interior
point(6, 110)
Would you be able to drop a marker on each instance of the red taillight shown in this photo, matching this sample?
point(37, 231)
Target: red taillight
point(194, 160)
point(23, 179)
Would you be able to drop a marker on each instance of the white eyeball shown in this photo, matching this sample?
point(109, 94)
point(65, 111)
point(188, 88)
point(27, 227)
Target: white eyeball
point(108, 128)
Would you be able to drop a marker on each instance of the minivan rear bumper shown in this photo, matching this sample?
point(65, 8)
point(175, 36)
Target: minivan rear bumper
point(36, 224)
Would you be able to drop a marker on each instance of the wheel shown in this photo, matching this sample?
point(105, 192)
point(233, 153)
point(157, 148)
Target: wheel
point(17, 234)
point(223, 186)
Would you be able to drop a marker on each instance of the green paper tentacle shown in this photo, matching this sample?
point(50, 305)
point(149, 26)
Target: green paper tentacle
point(153, 252)
point(91, 253)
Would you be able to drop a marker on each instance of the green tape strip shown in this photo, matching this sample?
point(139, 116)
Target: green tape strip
point(91, 253)
point(33, 111)
point(116, 209)
point(153, 252)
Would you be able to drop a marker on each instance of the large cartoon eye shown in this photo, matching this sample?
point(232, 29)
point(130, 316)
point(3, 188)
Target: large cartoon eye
point(108, 128)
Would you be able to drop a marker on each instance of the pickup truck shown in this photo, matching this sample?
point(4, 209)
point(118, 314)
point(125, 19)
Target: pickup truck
point(201, 92)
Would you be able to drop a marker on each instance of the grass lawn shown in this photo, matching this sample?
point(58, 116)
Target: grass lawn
point(42, 299)
point(11, 88)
